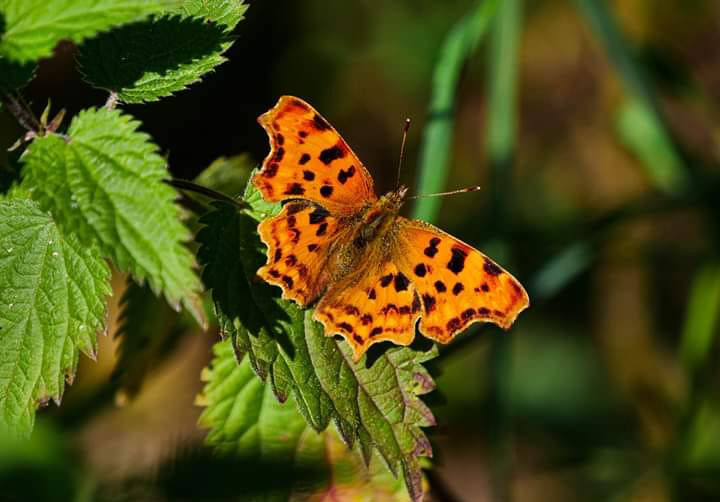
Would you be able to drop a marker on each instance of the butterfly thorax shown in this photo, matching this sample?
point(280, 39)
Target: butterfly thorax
point(371, 236)
point(378, 218)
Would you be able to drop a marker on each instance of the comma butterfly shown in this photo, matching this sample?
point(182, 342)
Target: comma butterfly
point(373, 273)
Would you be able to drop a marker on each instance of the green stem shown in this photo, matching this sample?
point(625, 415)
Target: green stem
point(437, 135)
point(640, 121)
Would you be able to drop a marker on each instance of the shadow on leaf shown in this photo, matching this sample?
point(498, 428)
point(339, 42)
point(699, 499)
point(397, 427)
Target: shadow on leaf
point(153, 57)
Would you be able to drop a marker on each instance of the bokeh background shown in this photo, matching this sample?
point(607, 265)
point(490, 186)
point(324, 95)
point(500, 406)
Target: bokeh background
point(593, 127)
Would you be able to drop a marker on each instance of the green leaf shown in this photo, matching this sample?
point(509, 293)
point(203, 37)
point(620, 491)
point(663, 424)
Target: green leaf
point(105, 184)
point(374, 401)
point(225, 12)
point(147, 332)
point(151, 59)
point(52, 304)
point(246, 420)
point(34, 27)
point(227, 174)
point(437, 135)
point(700, 327)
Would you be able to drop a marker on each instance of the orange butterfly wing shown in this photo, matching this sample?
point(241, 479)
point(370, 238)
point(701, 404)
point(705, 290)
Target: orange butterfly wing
point(309, 160)
point(371, 306)
point(458, 285)
point(298, 241)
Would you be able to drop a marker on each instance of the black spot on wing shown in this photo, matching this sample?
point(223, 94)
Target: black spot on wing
point(457, 262)
point(385, 280)
point(420, 270)
point(352, 310)
point(491, 268)
point(454, 324)
point(294, 189)
point(429, 302)
point(322, 229)
point(271, 170)
point(344, 175)
point(432, 248)
point(416, 303)
point(319, 123)
point(326, 190)
point(318, 215)
point(304, 159)
point(299, 104)
point(332, 153)
point(308, 175)
point(457, 288)
point(440, 287)
point(401, 282)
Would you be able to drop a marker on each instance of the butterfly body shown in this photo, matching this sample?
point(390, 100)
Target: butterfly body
point(371, 274)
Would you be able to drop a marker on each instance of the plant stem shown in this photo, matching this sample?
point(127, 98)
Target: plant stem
point(207, 192)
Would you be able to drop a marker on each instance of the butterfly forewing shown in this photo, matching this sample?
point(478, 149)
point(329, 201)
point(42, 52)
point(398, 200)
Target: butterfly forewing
point(309, 160)
point(298, 241)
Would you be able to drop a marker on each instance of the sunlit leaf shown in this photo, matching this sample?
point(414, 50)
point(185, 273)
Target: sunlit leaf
point(105, 183)
point(52, 304)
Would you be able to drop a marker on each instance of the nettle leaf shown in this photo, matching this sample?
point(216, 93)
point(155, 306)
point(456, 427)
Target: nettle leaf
point(225, 12)
point(247, 421)
point(227, 174)
point(34, 27)
point(52, 304)
point(374, 401)
point(105, 183)
point(148, 329)
point(151, 59)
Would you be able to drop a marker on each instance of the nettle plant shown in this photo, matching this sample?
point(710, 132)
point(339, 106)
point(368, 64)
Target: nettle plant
point(91, 191)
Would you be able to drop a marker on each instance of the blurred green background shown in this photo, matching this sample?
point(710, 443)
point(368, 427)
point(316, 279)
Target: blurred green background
point(594, 130)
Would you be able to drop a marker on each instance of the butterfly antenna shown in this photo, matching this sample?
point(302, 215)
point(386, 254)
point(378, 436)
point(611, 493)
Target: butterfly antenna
point(406, 127)
point(452, 192)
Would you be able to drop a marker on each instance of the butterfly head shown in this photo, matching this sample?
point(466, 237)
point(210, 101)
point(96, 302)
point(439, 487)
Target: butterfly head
point(393, 201)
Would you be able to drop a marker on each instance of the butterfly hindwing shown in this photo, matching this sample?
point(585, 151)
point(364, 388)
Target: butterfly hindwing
point(373, 306)
point(309, 160)
point(298, 241)
point(457, 284)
